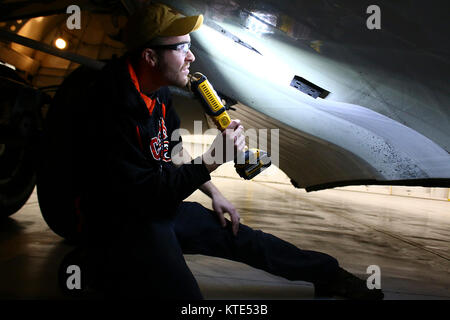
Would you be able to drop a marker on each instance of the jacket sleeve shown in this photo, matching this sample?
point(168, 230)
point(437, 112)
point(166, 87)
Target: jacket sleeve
point(129, 178)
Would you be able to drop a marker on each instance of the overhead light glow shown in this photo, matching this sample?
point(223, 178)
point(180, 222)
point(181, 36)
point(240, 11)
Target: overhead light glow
point(60, 43)
point(8, 65)
point(258, 22)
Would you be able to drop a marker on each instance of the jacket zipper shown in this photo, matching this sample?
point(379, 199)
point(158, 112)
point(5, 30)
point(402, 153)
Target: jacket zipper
point(161, 151)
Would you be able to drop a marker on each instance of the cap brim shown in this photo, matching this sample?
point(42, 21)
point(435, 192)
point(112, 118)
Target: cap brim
point(183, 26)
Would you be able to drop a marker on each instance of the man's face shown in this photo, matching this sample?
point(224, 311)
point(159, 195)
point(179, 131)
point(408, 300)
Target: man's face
point(173, 65)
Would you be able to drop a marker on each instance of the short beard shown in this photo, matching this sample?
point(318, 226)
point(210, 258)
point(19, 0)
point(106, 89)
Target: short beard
point(176, 81)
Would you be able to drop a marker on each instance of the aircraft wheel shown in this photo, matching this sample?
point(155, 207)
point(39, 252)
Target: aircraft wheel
point(60, 209)
point(57, 197)
point(17, 178)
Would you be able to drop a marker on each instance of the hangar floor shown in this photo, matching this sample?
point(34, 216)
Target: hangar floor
point(406, 237)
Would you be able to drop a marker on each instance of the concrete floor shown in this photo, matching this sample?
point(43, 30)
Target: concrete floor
point(408, 238)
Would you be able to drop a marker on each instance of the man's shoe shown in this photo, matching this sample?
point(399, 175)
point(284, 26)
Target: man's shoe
point(348, 286)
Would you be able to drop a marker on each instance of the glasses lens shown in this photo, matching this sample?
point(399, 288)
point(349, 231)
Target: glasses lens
point(184, 47)
point(181, 47)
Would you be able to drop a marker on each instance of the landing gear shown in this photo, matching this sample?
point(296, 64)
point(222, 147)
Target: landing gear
point(19, 121)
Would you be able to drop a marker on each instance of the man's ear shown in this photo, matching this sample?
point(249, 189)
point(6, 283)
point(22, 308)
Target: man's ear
point(150, 56)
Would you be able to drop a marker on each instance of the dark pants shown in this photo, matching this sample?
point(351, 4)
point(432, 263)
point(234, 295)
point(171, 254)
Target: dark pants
point(151, 260)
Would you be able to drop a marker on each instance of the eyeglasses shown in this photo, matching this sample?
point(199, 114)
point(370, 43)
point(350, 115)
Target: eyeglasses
point(182, 47)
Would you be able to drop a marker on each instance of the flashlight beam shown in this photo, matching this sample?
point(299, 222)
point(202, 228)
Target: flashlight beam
point(228, 34)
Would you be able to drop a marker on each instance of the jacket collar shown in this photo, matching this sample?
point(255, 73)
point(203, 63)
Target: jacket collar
point(123, 92)
point(149, 102)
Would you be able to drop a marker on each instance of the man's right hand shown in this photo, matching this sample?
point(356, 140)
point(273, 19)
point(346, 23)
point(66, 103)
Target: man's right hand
point(225, 146)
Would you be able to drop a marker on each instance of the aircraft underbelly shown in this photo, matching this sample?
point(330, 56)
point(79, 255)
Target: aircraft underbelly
point(322, 141)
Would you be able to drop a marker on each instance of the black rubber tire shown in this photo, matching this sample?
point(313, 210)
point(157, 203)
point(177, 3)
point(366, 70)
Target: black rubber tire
point(56, 192)
point(58, 207)
point(17, 168)
point(17, 178)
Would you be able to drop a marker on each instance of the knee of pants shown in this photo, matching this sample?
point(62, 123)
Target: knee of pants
point(330, 263)
point(325, 267)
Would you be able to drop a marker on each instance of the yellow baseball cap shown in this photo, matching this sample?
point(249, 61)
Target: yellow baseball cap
point(158, 20)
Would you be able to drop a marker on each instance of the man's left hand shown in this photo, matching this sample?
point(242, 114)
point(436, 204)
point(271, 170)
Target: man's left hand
point(222, 206)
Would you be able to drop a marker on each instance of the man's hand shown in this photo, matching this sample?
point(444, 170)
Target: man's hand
point(226, 146)
point(221, 206)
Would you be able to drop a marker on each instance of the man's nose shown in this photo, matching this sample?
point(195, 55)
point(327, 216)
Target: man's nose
point(190, 56)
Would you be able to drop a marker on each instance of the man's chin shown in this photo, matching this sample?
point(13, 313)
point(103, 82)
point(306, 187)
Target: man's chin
point(181, 83)
point(185, 81)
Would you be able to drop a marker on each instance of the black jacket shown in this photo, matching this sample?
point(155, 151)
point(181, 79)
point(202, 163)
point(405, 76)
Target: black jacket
point(122, 159)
